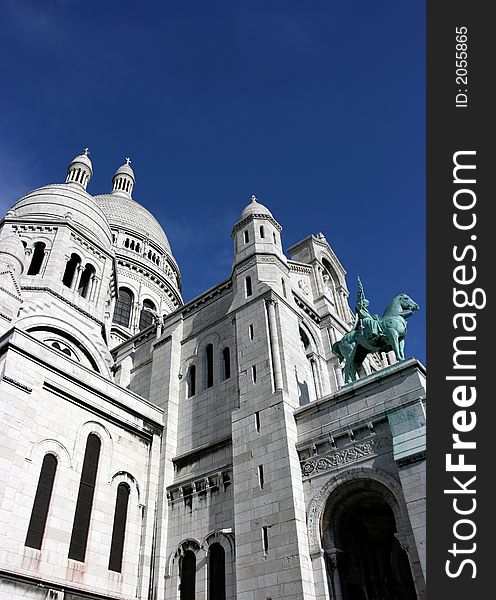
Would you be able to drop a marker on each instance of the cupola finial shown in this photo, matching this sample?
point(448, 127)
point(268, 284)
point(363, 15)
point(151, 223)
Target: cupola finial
point(124, 180)
point(80, 169)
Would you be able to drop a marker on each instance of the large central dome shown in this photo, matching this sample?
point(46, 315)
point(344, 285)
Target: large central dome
point(122, 212)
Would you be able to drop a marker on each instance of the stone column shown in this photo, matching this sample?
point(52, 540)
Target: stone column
point(77, 277)
point(274, 344)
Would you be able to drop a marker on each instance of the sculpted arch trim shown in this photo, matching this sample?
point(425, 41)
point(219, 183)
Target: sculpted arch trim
point(318, 503)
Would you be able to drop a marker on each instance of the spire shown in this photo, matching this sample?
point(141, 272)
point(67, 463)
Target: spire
point(123, 181)
point(80, 169)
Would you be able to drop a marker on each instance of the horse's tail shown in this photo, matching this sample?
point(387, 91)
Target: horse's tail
point(336, 348)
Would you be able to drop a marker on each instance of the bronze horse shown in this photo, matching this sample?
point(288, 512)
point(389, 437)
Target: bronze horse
point(376, 334)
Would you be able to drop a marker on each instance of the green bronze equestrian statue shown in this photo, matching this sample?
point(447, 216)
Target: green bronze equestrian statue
point(372, 333)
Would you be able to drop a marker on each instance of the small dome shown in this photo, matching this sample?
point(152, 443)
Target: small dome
point(123, 180)
point(83, 159)
point(124, 212)
point(126, 169)
point(255, 208)
point(80, 169)
point(65, 202)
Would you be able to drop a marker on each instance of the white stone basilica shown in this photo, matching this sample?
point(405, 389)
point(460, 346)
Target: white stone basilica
point(158, 450)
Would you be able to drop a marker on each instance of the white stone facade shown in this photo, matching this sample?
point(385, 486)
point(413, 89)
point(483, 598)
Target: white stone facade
point(248, 471)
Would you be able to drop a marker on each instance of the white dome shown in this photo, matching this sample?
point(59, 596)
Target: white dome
point(82, 159)
point(124, 212)
point(65, 202)
point(255, 208)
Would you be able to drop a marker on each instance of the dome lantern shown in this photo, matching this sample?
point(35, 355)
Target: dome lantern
point(123, 181)
point(80, 169)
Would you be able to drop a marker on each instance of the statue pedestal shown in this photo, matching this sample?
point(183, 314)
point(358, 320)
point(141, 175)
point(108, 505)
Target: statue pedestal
point(367, 441)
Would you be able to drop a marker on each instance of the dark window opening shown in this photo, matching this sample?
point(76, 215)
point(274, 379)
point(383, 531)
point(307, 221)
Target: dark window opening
point(119, 529)
point(191, 381)
point(209, 358)
point(265, 539)
point(261, 476)
point(122, 311)
point(262, 231)
point(146, 317)
point(37, 260)
point(187, 576)
point(248, 288)
point(254, 373)
point(246, 236)
point(216, 572)
point(257, 421)
point(70, 270)
point(226, 358)
point(41, 504)
point(84, 504)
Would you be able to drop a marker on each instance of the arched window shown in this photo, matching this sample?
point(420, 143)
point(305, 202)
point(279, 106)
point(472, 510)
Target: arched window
point(187, 576)
point(146, 317)
point(209, 363)
point(37, 260)
point(85, 281)
point(41, 504)
point(216, 572)
point(70, 270)
point(119, 529)
point(226, 360)
point(81, 525)
point(191, 381)
point(122, 310)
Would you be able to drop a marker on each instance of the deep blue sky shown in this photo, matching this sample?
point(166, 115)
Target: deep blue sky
point(317, 107)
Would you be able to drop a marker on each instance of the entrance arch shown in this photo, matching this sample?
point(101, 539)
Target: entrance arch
point(361, 540)
point(368, 558)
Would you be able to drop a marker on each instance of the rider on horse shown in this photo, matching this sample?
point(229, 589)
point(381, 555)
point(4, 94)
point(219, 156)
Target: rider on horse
point(366, 322)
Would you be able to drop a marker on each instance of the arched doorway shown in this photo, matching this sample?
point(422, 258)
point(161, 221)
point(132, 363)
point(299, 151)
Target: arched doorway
point(368, 562)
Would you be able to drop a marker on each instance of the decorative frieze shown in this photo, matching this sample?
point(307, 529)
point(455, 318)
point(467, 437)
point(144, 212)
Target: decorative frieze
point(339, 458)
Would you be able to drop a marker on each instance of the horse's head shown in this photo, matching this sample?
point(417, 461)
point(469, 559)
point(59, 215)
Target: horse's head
point(407, 303)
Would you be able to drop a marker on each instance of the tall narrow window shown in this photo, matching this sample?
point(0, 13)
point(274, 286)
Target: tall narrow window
point(122, 311)
point(209, 360)
point(250, 331)
point(37, 260)
point(257, 421)
point(41, 504)
point(283, 287)
point(146, 317)
point(85, 281)
point(187, 576)
point(191, 381)
point(261, 480)
point(119, 529)
point(216, 572)
point(246, 236)
point(80, 528)
point(70, 270)
point(254, 374)
point(265, 539)
point(248, 288)
point(226, 359)
point(262, 231)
